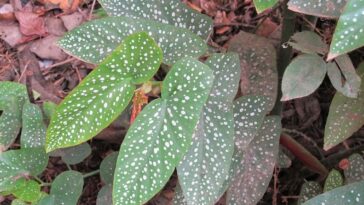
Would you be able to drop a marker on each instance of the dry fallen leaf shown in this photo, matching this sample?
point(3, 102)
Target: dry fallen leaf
point(66, 5)
point(10, 33)
point(47, 48)
point(7, 12)
point(30, 23)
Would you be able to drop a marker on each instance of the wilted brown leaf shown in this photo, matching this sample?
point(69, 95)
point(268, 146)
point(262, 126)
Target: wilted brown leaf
point(30, 23)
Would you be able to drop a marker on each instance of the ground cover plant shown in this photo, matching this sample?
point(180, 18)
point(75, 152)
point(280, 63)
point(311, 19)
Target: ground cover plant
point(206, 122)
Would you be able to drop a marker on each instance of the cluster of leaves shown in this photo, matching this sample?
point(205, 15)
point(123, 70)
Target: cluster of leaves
point(192, 126)
point(337, 189)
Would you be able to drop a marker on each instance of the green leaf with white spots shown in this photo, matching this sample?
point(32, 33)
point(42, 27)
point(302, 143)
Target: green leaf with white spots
point(352, 194)
point(8, 89)
point(333, 180)
point(262, 5)
point(102, 96)
point(47, 200)
point(249, 114)
point(355, 171)
point(162, 133)
point(344, 109)
point(308, 42)
point(27, 190)
point(73, 155)
point(203, 169)
point(104, 197)
point(66, 188)
point(107, 168)
point(172, 12)
point(321, 8)
point(34, 130)
point(258, 65)
point(10, 121)
point(259, 161)
point(303, 76)
point(349, 31)
point(95, 40)
point(21, 162)
point(309, 190)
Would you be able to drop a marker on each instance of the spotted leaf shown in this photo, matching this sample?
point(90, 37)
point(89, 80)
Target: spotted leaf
point(309, 190)
point(10, 121)
point(172, 12)
point(66, 189)
point(8, 89)
point(259, 161)
point(161, 134)
point(34, 130)
point(308, 42)
point(104, 197)
point(350, 194)
point(203, 170)
point(344, 109)
point(349, 31)
point(303, 76)
point(27, 190)
point(258, 65)
point(355, 170)
point(22, 162)
point(344, 77)
point(249, 113)
point(333, 180)
point(178, 198)
point(283, 160)
point(73, 155)
point(107, 168)
point(95, 40)
point(18, 202)
point(261, 5)
point(321, 8)
point(100, 98)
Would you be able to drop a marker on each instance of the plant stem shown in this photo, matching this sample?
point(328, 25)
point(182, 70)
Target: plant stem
point(68, 166)
point(91, 173)
point(46, 184)
point(39, 180)
point(284, 53)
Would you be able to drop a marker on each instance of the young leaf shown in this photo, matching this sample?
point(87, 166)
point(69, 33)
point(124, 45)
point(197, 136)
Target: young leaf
point(18, 202)
point(309, 190)
point(104, 197)
point(74, 155)
point(161, 134)
point(107, 168)
point(49, 108)
point(34, 130)
point(204, 168)
point(333, 180)
point(172, 12)
point(345, 80)
point(249, 113)
point(100, 98)
point(66, 188)
point(355, 171)
point(261, 5)
point(349, 31)
point(8, 89)
point(326, 9)
point(259, 161)
point(27, 190)
point(344, 109)
point(303, 76)
point(95, 40)
point(258, 65)
point(10, 121)
point(15, 163)
point(308, 42)
point(350, 194)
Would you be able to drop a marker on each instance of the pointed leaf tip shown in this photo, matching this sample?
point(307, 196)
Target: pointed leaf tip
point(104, 93)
